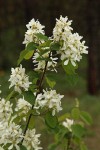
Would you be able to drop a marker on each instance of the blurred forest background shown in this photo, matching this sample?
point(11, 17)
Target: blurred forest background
point(15, 14)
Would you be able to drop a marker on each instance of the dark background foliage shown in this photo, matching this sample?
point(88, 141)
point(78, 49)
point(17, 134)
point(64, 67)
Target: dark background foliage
point(15, 14)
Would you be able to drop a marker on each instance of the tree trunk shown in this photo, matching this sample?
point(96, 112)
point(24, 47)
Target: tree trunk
point(92, 26)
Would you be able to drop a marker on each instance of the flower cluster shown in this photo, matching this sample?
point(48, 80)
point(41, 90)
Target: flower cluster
point(40, 64)
point(5, 109)
point(10, 133)
point(23, 107)
point(33, 27)
point(19, 79)
point(31, 140)
point(62, 29)
point(50, 100)
point(71, 46)
point(68, 124)
point(15, 118)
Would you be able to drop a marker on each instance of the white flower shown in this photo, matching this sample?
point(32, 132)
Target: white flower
point(40, 64)
point(71, 48)
point(2, 128)
point(68, 123)
point(19, 79)
point(1, 148)
point(11, 134)
point(49, 99)
point(74, 49)
point(5, 109)
point(33, 27)
point(23, 107)
point(31, 140)
point(62, 29)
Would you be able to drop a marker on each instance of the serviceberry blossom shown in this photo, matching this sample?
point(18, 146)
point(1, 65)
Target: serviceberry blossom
point(62, 29)
point(72, 47)
point(11, 134)
point(3, 124)
point(40, 64)
point(1, 148)
point(33, 27)
point(23, 107)
point(50, 100)
point(68, 124)
point(19, 79)
point(5, 109)
point(31, 140)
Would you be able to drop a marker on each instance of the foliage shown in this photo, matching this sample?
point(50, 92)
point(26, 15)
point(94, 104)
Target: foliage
point(30, 100)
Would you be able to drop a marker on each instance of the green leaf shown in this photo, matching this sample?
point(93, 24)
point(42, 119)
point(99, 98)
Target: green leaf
point(41, 36)
point(33, 77)
point(53, 146)
point(64, 116)
point(86, 117)
point(43, 45)
point(29, 55)
point(50, 82)
point(63, 132)
point(72, 79)
point(69, 69)
point(33, 88)
point(33, 74)
point(17, 119)
point(25, 54)
point(55, 46)
point(21, 57)
point(75, 113)
point(42, 52)
point(31, 46)
point(78, 130)
point(23, 147)
point(51, 121)
point(35, 81)
point(43, 58)
point(83, 147)
point(29, 97)
point(31, 123)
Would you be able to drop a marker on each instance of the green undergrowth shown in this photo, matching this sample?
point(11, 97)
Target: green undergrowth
point(78, 90)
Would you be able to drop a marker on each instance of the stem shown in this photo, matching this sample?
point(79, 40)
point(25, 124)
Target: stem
point(68, 143)
point(40, 84)
point(39, 87)
point(10, 95)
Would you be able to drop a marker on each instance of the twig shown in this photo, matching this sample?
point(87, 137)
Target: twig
point(39, 87)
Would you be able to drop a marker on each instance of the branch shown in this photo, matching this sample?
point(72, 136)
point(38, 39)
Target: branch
point(39, 87)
